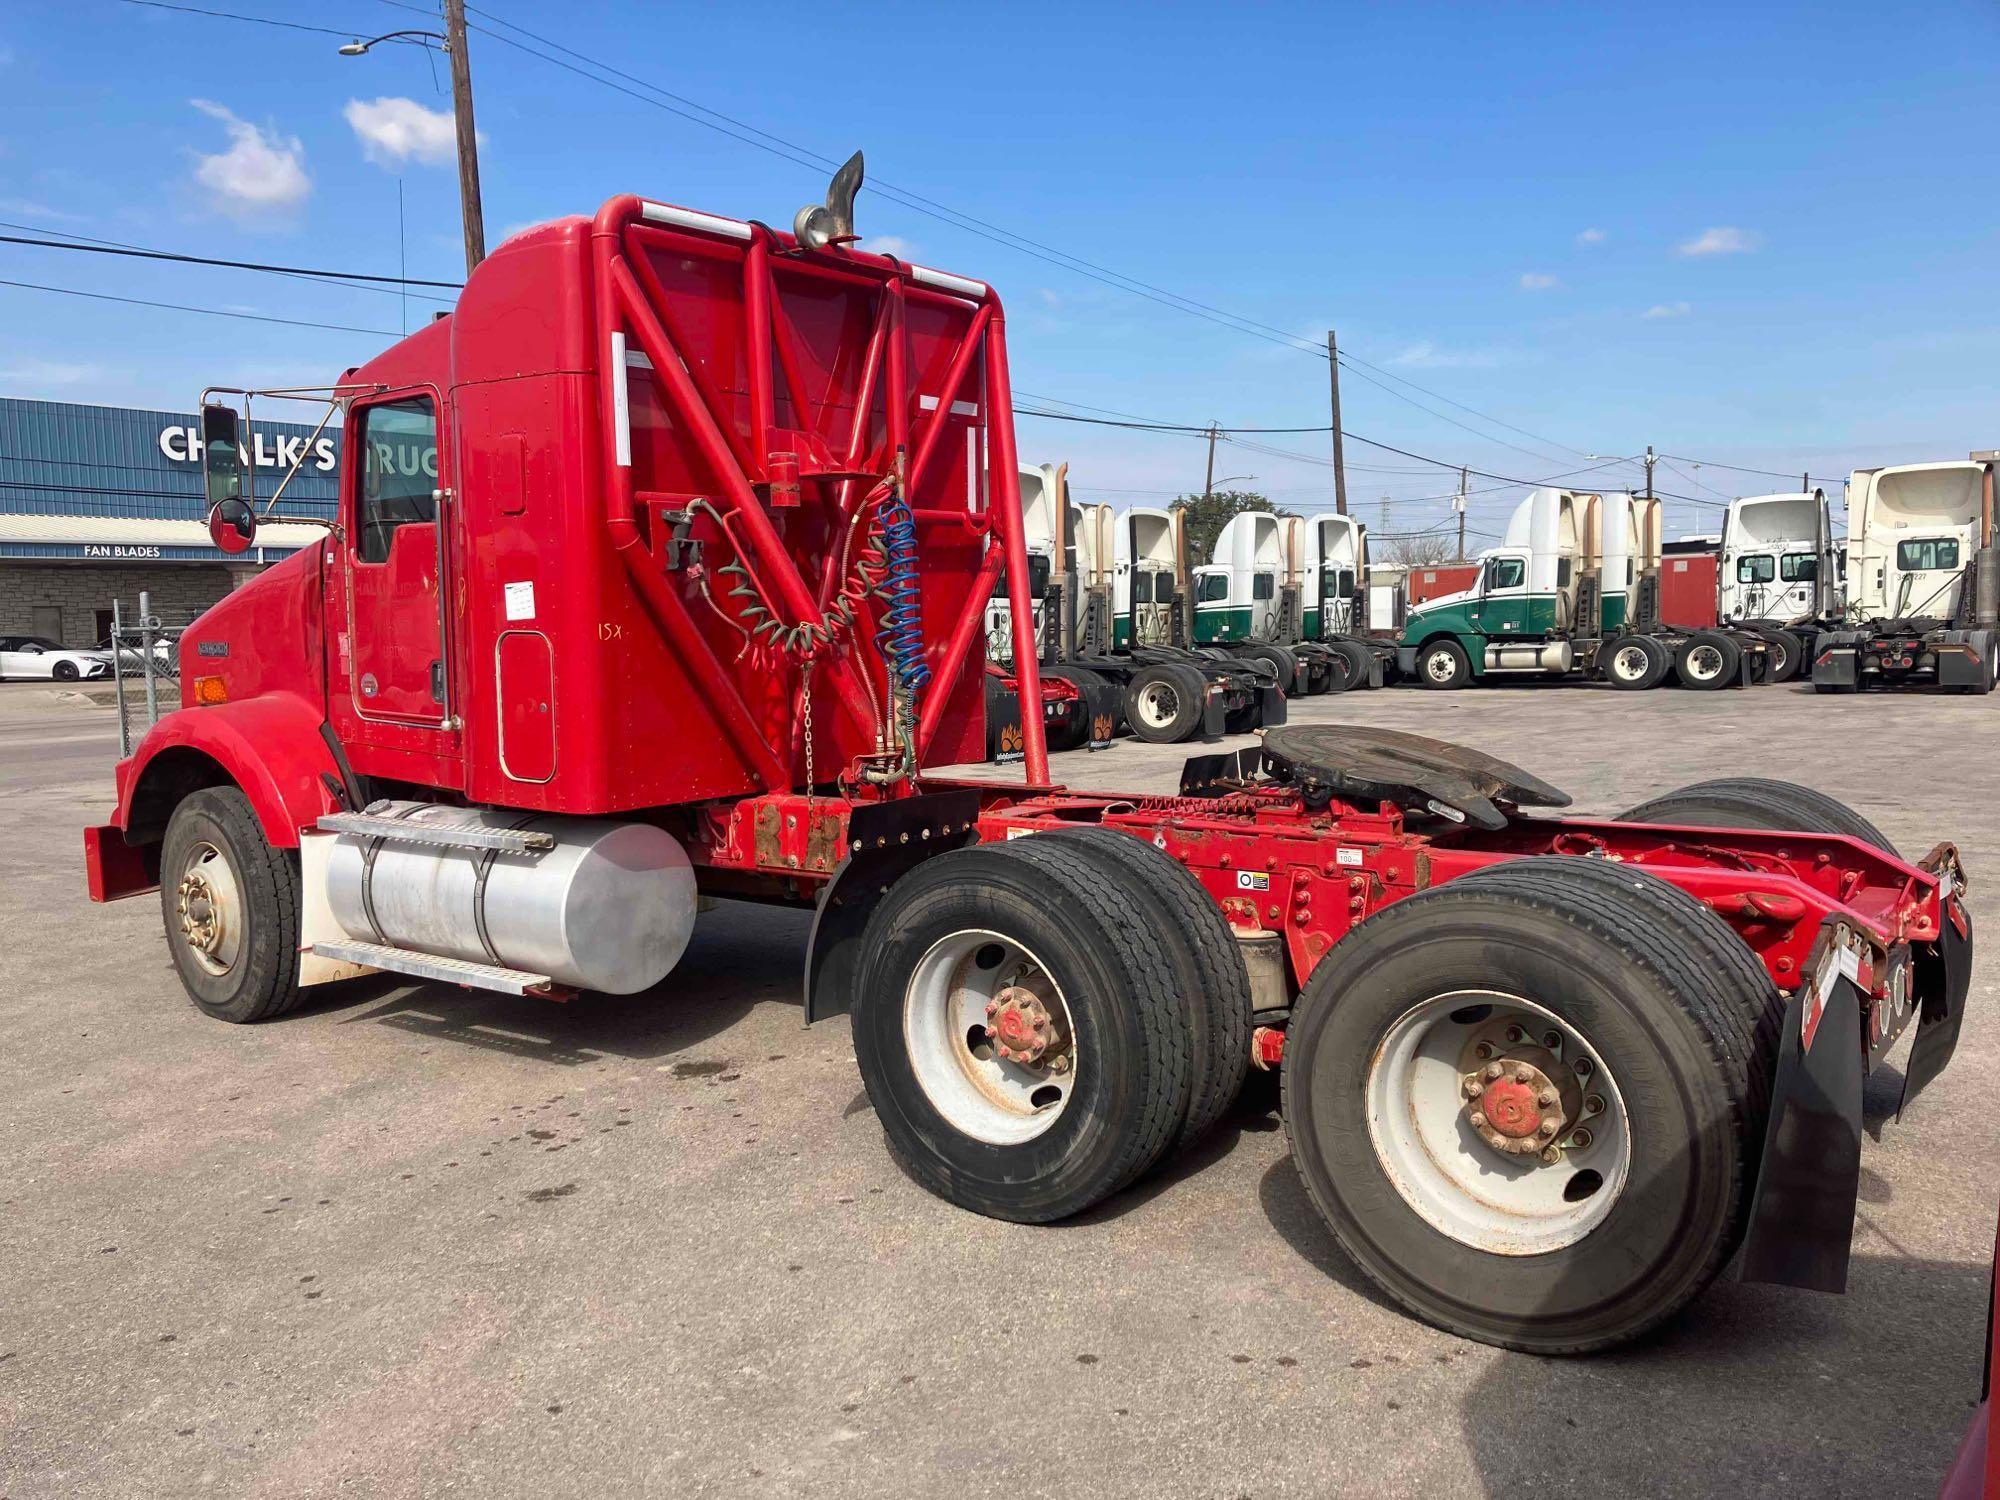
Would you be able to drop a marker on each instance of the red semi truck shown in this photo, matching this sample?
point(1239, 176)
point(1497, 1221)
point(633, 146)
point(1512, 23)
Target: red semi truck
point(658, 574)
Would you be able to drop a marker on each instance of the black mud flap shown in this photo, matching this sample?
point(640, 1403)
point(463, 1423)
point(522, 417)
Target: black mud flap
point(1214, 713)
point(1004, 739)
point(1802, 1217)
point(885, 841)
point(1271, 710)
point(1944, 979)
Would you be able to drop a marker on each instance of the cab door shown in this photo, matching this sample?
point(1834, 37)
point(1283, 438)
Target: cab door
point(1501, 608)
point(396, 647)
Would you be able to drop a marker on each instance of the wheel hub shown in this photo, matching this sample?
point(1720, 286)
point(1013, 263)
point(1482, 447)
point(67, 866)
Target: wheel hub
point(200, 921)
point(1022, 1030)
point(1514, 1106)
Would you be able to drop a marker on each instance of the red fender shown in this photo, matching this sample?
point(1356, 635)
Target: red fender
point(269, 745)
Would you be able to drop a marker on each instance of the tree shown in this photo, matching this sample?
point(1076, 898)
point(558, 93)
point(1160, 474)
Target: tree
point(1419, 549)
point(1206, 515)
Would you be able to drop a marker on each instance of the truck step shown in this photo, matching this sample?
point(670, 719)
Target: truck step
point(431, 966)
point(403, 831)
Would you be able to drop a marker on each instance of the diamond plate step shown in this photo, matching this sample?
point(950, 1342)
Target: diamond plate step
point(404, 831)
point(431, 966)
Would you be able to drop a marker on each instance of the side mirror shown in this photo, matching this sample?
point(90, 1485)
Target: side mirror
point(232, 525)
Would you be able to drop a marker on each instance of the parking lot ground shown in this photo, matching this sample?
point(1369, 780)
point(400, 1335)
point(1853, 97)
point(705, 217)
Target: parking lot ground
point(415, 1240)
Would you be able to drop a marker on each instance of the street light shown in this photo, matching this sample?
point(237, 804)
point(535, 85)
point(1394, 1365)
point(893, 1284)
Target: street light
point(452, 44)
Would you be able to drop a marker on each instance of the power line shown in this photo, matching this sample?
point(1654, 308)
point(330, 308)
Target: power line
point(230, 15)
point(213, 312)
point(234, 265)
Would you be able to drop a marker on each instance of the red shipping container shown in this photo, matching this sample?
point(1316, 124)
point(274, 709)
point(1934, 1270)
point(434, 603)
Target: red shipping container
point(1687, 589)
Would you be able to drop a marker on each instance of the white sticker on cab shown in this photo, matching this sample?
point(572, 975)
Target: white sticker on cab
point(520, 599)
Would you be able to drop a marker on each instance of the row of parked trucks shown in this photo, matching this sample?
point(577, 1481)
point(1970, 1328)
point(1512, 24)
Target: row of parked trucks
point(1581, 585)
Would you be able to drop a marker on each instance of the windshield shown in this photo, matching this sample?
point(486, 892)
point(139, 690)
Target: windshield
point(1505, 572)
point(1214, 588)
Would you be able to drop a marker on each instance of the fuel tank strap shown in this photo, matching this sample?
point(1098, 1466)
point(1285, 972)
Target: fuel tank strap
point(482, 869)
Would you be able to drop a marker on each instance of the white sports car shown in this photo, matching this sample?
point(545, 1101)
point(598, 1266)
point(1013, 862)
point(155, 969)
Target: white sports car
point(35, 656)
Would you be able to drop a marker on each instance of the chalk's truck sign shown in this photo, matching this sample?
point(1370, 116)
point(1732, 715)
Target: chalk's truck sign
point(183, 446)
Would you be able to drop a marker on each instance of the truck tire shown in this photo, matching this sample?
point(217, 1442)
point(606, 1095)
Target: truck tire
point(1443, 664)
point(1786, 653)
point(1632, 663)
point(1352, 662)
point(1284, 664)
point(1217, 985)
point(230, 904)
point(1654, 1012)
point(1707, 660)
point(1757, 802)
point(1163, 703)
point(1049, 931)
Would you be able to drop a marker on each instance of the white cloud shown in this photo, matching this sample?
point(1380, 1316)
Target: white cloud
point(262, 172)
point(889, 244)
point(1591, 236)
point(1722, 241)
point(394, 131)
point(1427, 356)
point(1667, 310)
point(1538, 281)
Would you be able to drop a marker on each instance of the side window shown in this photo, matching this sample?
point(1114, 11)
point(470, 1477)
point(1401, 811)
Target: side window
point(1505, 572)
point(1263, 585)
point(1758, 567)
point(1927, 555)
point(1562, 572)
point(1798, 567)
point(397, 442)
point(1215, 588)
point(1142, 588)
point(1343, 587)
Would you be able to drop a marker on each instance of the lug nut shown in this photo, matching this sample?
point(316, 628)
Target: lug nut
point(1059, 1065)
point(989, 1033)
point(1582, 1066)
point(1494, 1070)
point(1580, 1139)
point(1548, 1127)
point(1552, 1040)
point(1474, 1087)
point(1478, 1120)
point(1551, 1156)
point(1516, 1034)
point(1545, 1098)
point(1522, 1075)
point(1593, 1105)
point(1483, 1051)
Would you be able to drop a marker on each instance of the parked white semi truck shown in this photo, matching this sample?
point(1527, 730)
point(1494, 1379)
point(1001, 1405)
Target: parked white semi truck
point(1923, 588)
point(1095, 681)
point(1260, 596)
point(1571, 590)
point(1778, 574)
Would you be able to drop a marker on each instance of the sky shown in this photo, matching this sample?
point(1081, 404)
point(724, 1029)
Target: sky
point(1763, 236)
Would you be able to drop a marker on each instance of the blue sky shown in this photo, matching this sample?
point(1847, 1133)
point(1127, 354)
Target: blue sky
point(1757, 235)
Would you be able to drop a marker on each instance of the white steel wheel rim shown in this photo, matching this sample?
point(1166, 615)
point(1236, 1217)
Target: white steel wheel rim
point(1439, 1165)
point(1705, 662)
point(209, 904)
point(1440, 666)
point(1158, 703)
point(1630, 662)
point(945, 1010)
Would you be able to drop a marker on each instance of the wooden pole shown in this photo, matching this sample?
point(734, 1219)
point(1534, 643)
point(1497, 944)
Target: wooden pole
point(1339, 457)
point(470, 212)
point(1461, 515)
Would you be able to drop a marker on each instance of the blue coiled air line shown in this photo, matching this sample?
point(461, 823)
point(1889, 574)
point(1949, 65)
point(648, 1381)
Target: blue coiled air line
point(901, 637)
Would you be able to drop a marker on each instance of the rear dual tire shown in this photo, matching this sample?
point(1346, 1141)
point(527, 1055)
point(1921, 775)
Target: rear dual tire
point(1645, 985)
point(1707, 660)
point(1164, 702)
point(1145, 999)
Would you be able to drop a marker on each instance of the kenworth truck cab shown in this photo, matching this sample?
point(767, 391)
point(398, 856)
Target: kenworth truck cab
point(658, 578)
point(1923, 587)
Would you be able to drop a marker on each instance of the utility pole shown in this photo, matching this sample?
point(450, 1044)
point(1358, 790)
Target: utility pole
point(1339, 458)
point(1649, 471)
point(1385, 515)
point(470, 212)
point(1459, 506)
point(1208, 479)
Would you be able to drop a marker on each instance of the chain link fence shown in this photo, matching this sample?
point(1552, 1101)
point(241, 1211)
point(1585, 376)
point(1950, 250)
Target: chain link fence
point(147, 650)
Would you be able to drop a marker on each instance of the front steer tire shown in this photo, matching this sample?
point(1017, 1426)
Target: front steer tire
point(261, 979)
point(1093, 932)
point(1662, 990)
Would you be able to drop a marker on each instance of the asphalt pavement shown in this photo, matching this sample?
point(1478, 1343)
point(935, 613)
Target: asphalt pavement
point(415, 1240)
